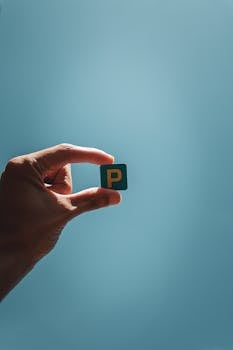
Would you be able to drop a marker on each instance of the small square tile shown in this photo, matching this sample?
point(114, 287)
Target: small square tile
point(114, 176)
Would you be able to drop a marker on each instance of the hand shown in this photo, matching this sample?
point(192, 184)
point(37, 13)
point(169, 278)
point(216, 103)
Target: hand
point(36, 202)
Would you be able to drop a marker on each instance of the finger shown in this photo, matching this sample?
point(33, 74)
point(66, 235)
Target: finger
point(93, 198)
point(61, 181)
point(58, 156)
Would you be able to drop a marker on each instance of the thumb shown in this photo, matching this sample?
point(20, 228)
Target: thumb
point(93, 198)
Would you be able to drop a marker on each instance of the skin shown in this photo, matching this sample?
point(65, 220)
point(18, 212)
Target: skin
point(36, 202)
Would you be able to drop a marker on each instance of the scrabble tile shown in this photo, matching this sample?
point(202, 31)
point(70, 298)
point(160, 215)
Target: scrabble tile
point(114, 176)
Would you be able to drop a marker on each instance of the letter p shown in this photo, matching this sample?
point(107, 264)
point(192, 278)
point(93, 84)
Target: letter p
point(113, 175)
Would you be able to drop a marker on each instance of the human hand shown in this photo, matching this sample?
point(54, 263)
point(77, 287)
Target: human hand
point(36, 199)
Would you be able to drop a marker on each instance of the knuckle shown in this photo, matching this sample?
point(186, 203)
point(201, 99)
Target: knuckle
point(13, 164)
point(17, 164)
point(65, 146)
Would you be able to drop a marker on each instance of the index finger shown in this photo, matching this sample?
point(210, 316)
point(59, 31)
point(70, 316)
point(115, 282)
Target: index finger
point(58, 156)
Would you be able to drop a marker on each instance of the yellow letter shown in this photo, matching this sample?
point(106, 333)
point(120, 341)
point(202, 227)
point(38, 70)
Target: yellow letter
point(111, 179)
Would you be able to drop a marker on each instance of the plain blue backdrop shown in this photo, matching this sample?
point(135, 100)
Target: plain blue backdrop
point(152, 83)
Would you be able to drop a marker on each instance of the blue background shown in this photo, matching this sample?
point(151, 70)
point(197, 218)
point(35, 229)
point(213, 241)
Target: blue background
point(152, 83)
